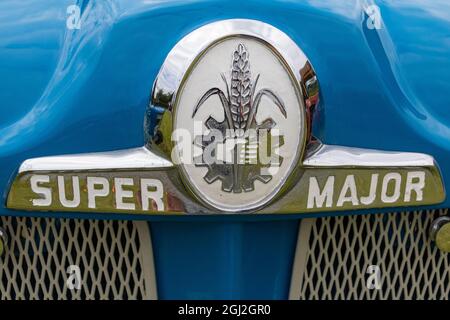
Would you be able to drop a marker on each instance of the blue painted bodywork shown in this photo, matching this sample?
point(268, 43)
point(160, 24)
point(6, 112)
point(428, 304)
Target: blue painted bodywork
point(86, 90)
point(226, 260)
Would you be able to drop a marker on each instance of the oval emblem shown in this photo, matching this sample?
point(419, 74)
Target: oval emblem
point(239, 123)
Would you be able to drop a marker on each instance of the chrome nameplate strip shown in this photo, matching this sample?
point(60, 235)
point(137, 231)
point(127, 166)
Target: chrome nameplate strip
point(341, 185)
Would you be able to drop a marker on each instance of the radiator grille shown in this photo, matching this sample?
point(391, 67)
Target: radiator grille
point(114, 258)
point(333, 254)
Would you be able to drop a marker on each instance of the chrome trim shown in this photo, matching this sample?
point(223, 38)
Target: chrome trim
point(181, 57)
point(436, 225)
point(440, 233)
point(180, 201)
point(337, 156)
point(135, 158)
point(182, 60)
point(185, 53)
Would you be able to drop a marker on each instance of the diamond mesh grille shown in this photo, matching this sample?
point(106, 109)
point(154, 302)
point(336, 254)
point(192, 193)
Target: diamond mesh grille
point(333, 254)
point(114, 257)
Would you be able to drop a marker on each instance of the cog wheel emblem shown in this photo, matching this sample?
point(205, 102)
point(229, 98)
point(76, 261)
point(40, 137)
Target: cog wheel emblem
point(240, 105)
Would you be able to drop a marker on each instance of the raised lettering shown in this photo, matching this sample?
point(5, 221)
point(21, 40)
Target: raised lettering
point(155, 195)
point(94, 192)
point(396, 178)
point(45, 192)
point(372, 192)
point(318, 198)
point(75, 202)
point(416, 186)
point(349, 185)
point(121, 193)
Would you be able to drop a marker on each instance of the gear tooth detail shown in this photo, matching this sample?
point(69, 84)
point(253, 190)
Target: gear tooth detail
point(245, 169)
point(227, 185)
point(224, 172)
point(198, 161)
point(198, 141)
point(211, 176)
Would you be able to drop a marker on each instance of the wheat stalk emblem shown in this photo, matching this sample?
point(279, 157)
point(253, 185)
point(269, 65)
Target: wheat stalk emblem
point(240, 105)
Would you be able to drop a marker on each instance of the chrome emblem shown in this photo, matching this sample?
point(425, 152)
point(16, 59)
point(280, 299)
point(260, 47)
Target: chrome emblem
point(242, 157)
point(240, 105)
point(229, 130)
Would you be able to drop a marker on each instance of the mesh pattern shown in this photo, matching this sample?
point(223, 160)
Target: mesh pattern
point(110, 256)
point(339, 250)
